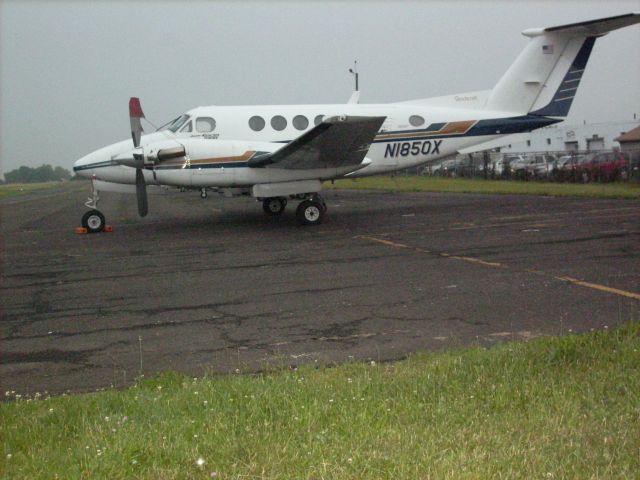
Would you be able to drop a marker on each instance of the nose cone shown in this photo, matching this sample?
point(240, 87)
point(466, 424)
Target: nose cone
point(84, 166)
point(95, 162)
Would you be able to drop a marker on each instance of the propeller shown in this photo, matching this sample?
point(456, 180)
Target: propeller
point(135, 114)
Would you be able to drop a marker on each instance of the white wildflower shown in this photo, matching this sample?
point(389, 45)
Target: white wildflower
point(200, 462)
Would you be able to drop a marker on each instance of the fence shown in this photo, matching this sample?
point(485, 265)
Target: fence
point(601, 166)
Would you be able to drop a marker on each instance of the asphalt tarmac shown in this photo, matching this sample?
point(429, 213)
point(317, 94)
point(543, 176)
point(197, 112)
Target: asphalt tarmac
point(203, 286)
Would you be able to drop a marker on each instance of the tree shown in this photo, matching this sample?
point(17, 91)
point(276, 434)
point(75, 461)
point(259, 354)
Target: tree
point(43, 173)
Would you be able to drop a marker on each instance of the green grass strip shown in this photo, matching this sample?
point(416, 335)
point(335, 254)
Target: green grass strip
point(15, 189)
point(560, 408)
point(466, 185)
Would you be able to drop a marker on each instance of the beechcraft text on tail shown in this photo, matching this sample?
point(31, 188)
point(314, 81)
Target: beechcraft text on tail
point(281, 153)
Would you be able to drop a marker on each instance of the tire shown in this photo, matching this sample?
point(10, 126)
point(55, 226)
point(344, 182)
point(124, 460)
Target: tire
point(93, 221)
point(274, 206)
point(310, 212)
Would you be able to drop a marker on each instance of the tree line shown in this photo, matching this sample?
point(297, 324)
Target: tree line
point(43, 173)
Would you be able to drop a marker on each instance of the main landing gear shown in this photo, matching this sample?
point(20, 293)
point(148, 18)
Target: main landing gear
point(274, 206)
point(310, 211)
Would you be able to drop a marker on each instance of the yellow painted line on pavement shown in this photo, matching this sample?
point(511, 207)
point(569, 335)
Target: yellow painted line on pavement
point(475, 260)
point(421, 250)
point(574, 281)
point(602, 288)
point(386, 242)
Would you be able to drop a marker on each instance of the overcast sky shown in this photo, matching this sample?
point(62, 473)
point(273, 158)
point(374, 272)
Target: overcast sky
point(69, 68)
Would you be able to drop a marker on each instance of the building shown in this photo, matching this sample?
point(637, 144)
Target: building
point(630, 141)
point(562, 137)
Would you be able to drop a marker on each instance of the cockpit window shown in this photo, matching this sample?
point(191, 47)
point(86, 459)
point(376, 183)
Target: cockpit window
point(175, 125)
point(205, 124)
point(186, 128)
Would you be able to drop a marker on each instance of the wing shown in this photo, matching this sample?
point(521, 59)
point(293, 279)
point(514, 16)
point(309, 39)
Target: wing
point(336, 142)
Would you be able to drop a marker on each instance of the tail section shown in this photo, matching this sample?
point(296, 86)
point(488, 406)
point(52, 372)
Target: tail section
point(545, 77)
point(562, 96)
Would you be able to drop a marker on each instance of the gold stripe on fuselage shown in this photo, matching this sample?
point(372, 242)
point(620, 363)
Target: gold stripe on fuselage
point(451, 128)
point(246, 156)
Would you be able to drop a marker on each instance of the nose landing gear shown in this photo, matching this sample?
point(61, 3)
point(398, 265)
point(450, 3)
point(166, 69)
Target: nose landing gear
point(93, 221)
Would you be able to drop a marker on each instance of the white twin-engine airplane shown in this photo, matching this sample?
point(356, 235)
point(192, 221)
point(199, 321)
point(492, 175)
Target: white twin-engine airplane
point(278, 152)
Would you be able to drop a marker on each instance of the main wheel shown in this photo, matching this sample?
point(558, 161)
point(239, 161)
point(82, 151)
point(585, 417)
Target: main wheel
point(274, 205)
point(310, 212)
point(319, 199)
point(93, 221)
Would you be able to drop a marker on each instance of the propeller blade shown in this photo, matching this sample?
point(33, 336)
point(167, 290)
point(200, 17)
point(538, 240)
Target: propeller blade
point(141, 193)
point(135, 114)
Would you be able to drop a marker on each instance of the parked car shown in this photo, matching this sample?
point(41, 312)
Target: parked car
point(564, 170)
point(609, 166)
point(533, 166)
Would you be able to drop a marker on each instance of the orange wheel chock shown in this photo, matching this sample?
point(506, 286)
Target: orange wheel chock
point(108, 228)
point(81, 230)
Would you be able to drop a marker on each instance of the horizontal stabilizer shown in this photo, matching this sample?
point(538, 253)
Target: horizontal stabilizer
point(601, 26)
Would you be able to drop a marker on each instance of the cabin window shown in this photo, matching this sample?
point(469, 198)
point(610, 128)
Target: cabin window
point(256, 123)
point(279, 122)
point(318, 120)
point(187, 128)
point(205, 124)
point(416, 120)
point(300, 122)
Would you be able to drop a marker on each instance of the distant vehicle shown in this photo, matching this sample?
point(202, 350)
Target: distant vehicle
point(605, 167)
point(533, 166)
point(498, 167)
point(566, 166)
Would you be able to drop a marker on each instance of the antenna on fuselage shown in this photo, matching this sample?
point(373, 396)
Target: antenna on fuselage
point(354, 72)
point(355, 96)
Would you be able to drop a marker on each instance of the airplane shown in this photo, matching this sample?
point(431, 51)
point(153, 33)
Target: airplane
point(280, 152)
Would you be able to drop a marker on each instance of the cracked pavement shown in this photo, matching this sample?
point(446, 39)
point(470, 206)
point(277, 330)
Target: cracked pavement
point(215, 286)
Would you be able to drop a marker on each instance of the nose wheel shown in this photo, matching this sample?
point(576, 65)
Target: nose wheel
point(93, 221)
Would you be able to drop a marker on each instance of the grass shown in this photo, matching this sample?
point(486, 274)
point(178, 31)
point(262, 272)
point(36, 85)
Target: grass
point(466, 185)
point(14, 189)
point(565, 407)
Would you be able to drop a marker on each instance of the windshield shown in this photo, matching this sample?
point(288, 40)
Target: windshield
point(175, 124)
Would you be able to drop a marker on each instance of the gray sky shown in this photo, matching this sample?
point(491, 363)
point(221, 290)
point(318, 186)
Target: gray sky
point(69, 68)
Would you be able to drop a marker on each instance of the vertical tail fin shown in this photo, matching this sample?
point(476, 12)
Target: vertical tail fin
point(545, 77)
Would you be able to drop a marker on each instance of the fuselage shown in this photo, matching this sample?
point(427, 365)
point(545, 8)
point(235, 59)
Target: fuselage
point(412, 134)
